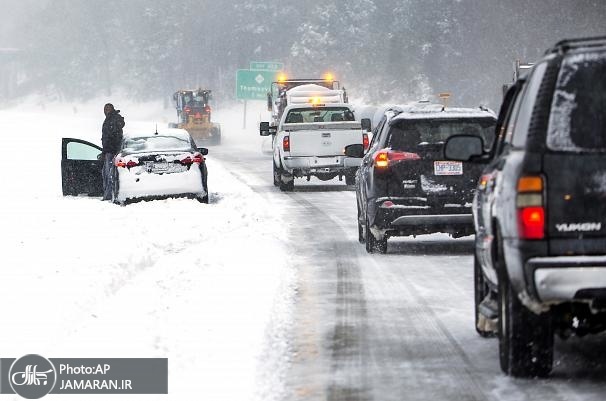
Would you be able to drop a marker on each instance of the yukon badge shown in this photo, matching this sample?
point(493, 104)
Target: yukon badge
point(584, 227)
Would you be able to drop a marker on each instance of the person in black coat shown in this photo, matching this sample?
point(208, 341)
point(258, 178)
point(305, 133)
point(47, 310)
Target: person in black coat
point(111, 139)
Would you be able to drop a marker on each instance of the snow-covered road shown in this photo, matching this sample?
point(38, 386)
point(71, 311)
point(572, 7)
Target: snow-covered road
point(259, 295)
point(396, 326)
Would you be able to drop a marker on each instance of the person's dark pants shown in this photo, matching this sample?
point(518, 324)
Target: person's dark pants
point(106, 173)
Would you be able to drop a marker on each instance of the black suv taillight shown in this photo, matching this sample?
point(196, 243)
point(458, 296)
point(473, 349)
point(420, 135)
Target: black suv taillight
point(531, 210)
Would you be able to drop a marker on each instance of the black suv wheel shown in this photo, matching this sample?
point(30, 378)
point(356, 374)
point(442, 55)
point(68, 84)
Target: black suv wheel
point(481, 291)
point(525, 338)
point(372, 243)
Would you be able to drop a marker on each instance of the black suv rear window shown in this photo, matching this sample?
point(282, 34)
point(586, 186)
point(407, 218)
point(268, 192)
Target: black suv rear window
point(578, 112)
point(408, 134)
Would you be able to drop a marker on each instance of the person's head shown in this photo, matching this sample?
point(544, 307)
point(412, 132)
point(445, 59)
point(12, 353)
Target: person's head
point(108, 108)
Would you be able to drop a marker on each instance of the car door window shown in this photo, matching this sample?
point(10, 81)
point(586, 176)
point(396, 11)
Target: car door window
point(81, 151)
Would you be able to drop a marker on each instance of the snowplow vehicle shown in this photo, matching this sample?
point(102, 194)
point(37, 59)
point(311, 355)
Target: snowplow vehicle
point(194, 115)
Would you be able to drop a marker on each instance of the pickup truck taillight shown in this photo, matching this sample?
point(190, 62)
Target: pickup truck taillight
point(365, 141)
point(384, 158)
point(286, 143)
point(531, 210)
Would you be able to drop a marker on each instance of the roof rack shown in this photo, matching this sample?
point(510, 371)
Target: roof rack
point(567, 44)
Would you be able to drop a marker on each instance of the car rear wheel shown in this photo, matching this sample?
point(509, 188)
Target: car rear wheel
point(525, 338)
point(350, 179)
point(372, 243)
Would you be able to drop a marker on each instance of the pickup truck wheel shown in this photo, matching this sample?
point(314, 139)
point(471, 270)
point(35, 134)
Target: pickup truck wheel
point(481, 290)
point(525, 338)
point(350, 179)
point(277, 174)
point(372, 243)
point(286, 186)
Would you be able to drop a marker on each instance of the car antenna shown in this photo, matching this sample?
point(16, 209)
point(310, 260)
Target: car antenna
point(156, 128)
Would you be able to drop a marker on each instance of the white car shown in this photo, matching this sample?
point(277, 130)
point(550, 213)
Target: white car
point(149, 166)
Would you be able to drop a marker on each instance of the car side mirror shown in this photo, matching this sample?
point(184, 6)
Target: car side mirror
point(356, 150)
point(203, 151)
point(366, 124)
point(463, 148)
point(264, 128)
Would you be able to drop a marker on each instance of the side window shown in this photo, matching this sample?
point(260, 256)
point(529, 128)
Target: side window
point(377, 132)
point(81, 151)
point(520, 129)
point(513, 116)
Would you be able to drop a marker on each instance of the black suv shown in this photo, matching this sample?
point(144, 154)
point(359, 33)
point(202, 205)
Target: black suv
point(404, 186)
point(540, 209)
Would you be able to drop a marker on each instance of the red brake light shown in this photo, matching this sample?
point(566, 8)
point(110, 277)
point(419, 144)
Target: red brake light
point(187, 160)
point(531, 222)
point(365, 141)
point(207, 109)
point(531, 209)
point(187, 109)
point(384, 158)
point(286, 143)
point(198, 158)
point(127, 164)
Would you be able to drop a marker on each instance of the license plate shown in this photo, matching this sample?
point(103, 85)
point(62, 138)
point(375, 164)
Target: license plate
point(160, 166)
point(447, 168)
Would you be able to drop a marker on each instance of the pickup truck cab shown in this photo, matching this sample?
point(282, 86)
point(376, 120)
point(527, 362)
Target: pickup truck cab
point(309, 141)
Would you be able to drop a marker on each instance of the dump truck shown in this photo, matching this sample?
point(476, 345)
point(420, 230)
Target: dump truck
point(194, 115)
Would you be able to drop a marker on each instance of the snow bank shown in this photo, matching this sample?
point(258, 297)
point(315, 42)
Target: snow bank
point(198, 284)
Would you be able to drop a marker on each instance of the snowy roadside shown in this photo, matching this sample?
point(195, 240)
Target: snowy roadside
point(206, 286)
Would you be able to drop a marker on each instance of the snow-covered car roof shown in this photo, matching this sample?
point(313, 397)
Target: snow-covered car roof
point(422, 110)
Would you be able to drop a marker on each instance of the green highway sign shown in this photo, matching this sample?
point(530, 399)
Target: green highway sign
point(266, 65)
point(254, 85)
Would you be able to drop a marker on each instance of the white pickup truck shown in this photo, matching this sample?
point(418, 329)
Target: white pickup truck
point(309, 141)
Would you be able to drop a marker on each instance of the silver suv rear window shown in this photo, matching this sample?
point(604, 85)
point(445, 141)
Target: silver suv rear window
point(578, 113)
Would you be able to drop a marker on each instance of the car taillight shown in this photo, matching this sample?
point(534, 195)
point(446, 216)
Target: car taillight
point(197, 158)
point(187, 109)
point(286, 143)
point(365, 141)
point(207, 109)
point(531, 210)
point(127, 164)
point(384, 158)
